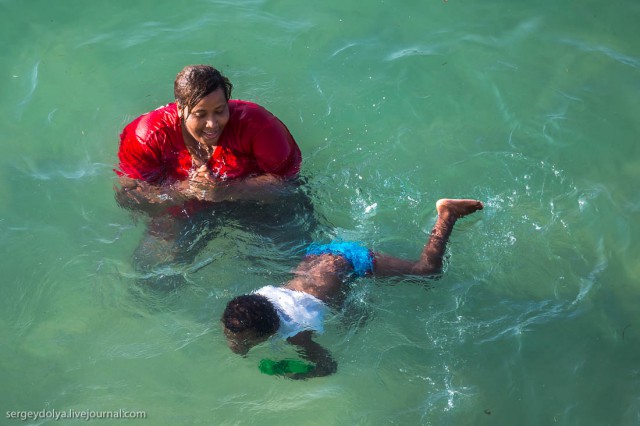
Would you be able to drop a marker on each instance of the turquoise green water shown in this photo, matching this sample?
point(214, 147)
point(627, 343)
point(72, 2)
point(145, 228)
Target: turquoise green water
point(532, 108)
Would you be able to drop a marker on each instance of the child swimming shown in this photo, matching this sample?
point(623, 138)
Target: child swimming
point(295, 310)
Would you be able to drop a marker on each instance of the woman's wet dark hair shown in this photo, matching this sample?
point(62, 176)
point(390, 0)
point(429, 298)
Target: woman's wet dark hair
point(195, 82)
point(251, 312)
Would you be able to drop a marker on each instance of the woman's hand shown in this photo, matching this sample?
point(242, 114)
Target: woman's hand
point(202, 185)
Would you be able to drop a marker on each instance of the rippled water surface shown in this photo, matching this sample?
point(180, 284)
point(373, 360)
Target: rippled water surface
point(533, 108)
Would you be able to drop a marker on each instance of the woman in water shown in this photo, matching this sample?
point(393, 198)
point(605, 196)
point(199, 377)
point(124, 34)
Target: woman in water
point(201, 154)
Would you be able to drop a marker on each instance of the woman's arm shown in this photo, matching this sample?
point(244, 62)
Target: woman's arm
point(312, 351)
point(136, 194)
point(265, 188)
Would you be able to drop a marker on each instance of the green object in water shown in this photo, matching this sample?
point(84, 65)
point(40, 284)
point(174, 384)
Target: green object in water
point(285, 366)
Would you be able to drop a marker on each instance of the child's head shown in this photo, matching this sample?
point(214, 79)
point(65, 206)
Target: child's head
point(249, 320)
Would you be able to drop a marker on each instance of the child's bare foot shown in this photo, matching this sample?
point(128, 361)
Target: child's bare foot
point(453, 209)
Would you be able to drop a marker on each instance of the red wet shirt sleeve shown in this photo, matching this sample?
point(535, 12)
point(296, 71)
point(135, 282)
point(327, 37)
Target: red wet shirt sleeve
point(274, 148)
point(137, 159)
point(146, 147)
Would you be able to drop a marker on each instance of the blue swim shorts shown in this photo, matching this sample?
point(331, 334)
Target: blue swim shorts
point(360, 257)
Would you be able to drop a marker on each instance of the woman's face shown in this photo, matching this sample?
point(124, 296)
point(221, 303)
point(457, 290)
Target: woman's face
point(206, 121)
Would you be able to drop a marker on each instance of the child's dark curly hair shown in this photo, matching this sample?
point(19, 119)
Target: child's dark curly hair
point(251, 312)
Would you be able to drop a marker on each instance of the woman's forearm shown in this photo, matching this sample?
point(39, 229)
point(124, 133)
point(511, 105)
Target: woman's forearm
point(263, 188)
point(135, 194)
point(138, 195)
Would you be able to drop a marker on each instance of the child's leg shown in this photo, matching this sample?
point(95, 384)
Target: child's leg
point(430, 262)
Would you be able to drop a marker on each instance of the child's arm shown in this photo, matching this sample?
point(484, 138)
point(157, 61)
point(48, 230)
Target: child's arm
point(314, 352)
